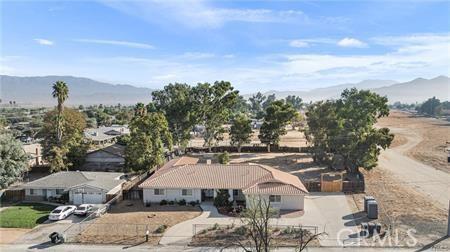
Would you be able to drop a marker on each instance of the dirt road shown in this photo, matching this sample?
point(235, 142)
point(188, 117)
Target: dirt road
point(421, 177)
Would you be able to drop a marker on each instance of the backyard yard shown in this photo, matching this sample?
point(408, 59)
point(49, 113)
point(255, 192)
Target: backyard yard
point(24, 215)
point(128, 222)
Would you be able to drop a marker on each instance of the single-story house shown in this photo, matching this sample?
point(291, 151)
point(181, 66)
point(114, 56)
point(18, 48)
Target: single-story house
point(104, 135)
point(110, 158)
point(82, 187)
point(184, 178)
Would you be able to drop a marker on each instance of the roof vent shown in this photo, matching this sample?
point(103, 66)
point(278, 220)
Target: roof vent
point(208, 161)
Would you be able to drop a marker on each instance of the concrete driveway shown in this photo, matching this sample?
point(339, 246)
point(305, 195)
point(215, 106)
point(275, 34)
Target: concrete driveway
point(329, 212)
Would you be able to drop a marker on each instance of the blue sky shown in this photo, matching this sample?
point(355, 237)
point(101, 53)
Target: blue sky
point(257, 45)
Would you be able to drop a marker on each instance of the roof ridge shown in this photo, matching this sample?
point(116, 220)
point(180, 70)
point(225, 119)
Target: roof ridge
point(272, 170)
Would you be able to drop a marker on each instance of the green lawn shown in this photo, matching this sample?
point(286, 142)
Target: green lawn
point(25, 215)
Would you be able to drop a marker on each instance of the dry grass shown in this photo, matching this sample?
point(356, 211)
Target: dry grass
point(402, 208)
point(127, 224)
point(9, 235)
point(431, 134)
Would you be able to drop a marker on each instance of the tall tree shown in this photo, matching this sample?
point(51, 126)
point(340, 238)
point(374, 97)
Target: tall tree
point(70, 151)
point(430, 106)
point(270, 98)
point(278, 115)
point(211, 108)
point(149, 139)
point(256, 105)
point(13, 160)
point(61, 93)
point(176, 102)
point(350, 131)
point(295, 101)
point(241, 131)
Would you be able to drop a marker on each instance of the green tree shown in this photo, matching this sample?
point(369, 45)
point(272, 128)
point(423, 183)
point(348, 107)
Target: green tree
point(278, 115)
point(211, 108)
point(270, 98)
point(61, 93)
point(13, 160)
point(149, 139)
point(176, 102)
point(256, 105)
point(222, 198)
point(430, 106)
point(295, 101)
point(71, 151)
point(346, 128)
point(241, 131)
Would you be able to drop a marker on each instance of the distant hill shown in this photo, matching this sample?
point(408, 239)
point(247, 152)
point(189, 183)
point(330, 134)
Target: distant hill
point(37, 91)
point(417, 90)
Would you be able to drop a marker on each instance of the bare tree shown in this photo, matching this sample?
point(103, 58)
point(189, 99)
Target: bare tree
point(305, 238)
point(255, 221)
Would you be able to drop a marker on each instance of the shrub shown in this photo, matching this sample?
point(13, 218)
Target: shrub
point(224, 158)
point(161, 229)
point(221, 200)
point(182, 202)
point(216, 226)
point(192, 203)
point(163, 202)
point(148, 204)
point(242, 230)
point(171, 203)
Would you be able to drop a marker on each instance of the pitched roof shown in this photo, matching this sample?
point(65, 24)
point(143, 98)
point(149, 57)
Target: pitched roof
point(68, 179)
point(232, 176)
point(115, 149)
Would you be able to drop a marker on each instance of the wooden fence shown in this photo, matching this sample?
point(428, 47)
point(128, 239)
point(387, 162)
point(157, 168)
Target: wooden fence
point(251, 149)
point(12, 195)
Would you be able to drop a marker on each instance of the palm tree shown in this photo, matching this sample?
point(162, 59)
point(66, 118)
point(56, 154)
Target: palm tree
point(61, 93)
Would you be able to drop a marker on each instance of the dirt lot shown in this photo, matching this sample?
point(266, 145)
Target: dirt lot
point(128, 221)
point(430, 135)
point(9, 235)
point(402, 208)
point(293, 138)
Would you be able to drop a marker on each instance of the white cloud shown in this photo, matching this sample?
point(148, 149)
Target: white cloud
point(351, 42)
point(424, 56)
point(116, 43)
point(298, 43)
point(201, 14)
point(44, 42)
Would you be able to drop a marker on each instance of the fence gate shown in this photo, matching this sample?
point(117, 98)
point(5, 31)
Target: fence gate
point(331, 182)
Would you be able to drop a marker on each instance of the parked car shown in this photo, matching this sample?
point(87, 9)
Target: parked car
point(61, 212)
point(83, 209)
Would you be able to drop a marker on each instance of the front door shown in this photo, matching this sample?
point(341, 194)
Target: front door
point(207, 194)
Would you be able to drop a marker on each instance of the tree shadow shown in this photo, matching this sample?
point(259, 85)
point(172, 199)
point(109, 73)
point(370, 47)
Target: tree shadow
point(432, 244)
point(44, 245)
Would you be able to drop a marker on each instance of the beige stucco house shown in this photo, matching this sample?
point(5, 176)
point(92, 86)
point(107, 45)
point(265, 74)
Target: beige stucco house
point(185, 178)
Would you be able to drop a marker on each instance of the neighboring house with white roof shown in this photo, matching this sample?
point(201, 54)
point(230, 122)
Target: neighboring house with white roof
point(104, 135)
point(184, 178)
point(83, 187)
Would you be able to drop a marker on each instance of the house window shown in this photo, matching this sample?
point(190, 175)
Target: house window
point(31, 191)
point(159, 192)
point(275, 198)
point(59, 191)
point(235, 192)
point(186, 192)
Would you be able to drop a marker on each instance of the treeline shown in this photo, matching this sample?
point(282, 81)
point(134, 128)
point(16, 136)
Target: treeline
point(431, 107)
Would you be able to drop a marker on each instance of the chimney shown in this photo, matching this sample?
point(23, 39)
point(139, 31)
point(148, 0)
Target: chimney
point(208, 161)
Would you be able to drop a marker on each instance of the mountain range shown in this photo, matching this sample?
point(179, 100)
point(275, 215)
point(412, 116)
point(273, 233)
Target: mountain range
point(37, 90)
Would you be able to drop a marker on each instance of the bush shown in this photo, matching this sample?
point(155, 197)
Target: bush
point(163, 202)
point(161, 229)
point(182, 202)
point(242, 230)
point(216, 226)
point(148, 204)
point(224, 158)
point(221, 200)
point(171, 203)
point(192, 203)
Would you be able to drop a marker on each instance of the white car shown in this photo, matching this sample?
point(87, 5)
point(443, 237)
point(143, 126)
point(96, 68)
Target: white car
point(83, 209)
point(61, 212)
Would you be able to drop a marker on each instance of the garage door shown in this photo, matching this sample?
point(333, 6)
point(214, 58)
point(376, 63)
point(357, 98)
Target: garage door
point(87, 198)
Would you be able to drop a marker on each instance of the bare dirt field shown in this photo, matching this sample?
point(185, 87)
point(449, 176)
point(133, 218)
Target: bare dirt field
point(128, 222)
point(293, 138)
point(428, 135)
point(9, 235)
point(402, 208)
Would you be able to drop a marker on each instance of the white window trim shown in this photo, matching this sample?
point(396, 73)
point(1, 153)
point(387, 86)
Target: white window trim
point(187, 190)
point(159, 190)
point(275, 202)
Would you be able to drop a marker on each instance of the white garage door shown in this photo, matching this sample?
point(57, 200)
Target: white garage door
point(87, 198)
